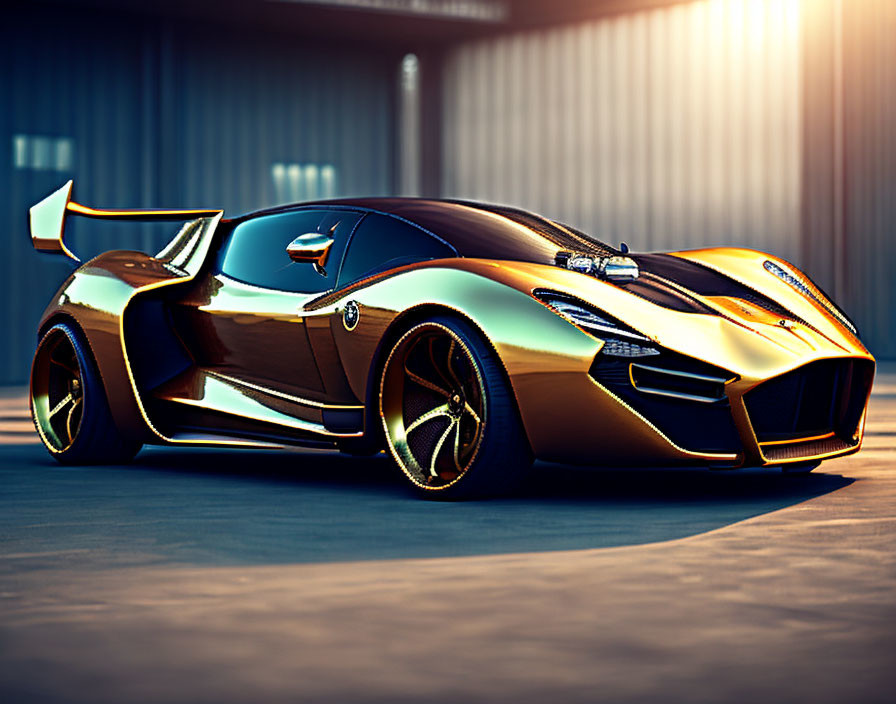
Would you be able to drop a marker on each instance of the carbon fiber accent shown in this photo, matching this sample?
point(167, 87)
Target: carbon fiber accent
point(798, 450)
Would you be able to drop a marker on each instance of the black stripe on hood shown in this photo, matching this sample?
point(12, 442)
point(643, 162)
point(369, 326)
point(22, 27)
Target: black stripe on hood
point(695, 277)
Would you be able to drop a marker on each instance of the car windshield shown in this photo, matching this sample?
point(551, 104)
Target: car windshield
point(564, 236)
point(487, 231)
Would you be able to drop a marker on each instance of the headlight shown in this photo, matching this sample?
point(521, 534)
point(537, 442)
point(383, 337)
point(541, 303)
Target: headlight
point(809, 290)
point(620, 340)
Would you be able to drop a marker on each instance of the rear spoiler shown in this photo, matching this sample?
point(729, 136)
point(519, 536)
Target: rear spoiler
point(47, 219)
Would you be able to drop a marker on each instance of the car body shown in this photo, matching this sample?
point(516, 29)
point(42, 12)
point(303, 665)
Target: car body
point(721, 357)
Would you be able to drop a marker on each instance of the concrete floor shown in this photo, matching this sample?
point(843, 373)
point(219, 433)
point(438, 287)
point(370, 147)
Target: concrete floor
point(195, 577)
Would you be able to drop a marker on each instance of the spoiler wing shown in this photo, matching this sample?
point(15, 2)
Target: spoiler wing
point(47, 219)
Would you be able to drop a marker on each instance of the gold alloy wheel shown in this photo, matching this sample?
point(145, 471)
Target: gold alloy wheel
point(57, 391)
point(432, 402)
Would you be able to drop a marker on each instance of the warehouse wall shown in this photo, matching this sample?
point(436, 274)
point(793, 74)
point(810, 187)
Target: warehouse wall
point(759, 123)
point(868, 173)
point(141, 114)
point(849, 160)
point(668, 128)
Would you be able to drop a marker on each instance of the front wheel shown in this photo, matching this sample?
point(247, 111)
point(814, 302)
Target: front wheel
point(450, 419)
point(68, 403)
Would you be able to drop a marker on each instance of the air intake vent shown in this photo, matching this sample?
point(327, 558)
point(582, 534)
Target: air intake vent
point(683, 397)
point(677, 384)
point(821, 398)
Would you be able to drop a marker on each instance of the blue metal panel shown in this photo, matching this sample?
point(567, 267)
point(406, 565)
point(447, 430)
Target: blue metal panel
point(160, 115)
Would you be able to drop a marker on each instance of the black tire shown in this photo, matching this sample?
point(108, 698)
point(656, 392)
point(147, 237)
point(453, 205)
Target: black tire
point(442, 381)
point(69, 405)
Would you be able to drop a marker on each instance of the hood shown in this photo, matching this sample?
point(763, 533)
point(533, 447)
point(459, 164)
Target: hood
point(726, 331)
point(681, 284)
point(741, 285)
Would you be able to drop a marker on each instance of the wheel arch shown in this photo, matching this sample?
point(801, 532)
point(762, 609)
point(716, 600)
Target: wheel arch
point(65, 318)
point(400, 325)
point(57, 318)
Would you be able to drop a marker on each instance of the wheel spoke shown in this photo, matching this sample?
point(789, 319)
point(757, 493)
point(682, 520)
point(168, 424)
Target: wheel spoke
point(435, 364)
point(62, 404)
point(73, 372)
point(417, 379)
point(68, 421)
point(437, 412)
point(450, 366)
point(435, 453)
point(432, 359)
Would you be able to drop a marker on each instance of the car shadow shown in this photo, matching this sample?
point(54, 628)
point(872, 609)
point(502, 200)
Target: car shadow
point(224, 507)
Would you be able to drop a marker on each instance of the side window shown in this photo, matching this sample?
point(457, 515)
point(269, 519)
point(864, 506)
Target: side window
point(255, 252)
point(383, 242)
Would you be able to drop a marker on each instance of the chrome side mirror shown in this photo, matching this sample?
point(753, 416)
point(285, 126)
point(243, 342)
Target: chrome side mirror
point(313, 248)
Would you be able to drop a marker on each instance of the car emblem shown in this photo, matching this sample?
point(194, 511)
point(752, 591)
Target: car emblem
point(351, 314)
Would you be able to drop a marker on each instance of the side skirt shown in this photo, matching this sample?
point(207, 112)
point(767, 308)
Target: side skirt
point(202, 406)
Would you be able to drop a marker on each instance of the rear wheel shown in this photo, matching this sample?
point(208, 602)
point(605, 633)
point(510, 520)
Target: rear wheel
point(451, 421)
point(68, 403)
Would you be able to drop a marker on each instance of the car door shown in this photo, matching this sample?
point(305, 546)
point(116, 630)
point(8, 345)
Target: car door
point(245, 317)
point(379, 243)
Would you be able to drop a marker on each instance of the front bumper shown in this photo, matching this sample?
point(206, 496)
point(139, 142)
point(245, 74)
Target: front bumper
point(814, 411)
point(626, 412)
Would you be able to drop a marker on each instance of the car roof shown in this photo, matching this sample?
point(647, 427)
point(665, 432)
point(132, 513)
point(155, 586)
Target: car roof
point(474, 229)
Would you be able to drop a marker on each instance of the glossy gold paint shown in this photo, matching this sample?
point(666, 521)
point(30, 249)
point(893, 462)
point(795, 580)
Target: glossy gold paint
point(745, 266)
point(252, 334)
point(47, 219)
point(566, 414)
point(97, 296)
point(217, 392)
point(310, 361)
point(132, 214)
point(312, 248)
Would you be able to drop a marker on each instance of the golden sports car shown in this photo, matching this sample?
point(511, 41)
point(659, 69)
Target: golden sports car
point(467, 339)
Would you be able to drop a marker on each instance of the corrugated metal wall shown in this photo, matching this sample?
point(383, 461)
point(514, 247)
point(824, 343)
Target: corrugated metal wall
point(760, 123)
point(710, 122)
point(250, 104)
point(669, 128)
point(869, 169)
point(849, 160)
point(59, 86)
point(140, 115)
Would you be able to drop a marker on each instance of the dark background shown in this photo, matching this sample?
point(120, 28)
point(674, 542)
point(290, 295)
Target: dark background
point(670, 125)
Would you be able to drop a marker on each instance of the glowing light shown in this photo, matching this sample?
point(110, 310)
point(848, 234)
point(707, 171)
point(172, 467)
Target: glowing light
point(470, 10)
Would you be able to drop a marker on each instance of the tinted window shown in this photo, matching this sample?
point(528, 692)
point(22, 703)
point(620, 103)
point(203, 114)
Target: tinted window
point(381, 243)
point(561, 235)
point(255, 252)
point(495, 232)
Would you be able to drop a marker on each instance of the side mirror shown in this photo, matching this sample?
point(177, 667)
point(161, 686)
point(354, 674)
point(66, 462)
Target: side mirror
point(313, 248)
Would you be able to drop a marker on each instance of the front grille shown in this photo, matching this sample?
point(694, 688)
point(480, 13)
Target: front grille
point(821, 398)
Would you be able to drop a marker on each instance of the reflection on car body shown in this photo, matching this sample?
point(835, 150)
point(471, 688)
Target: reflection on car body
point(466, 339)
